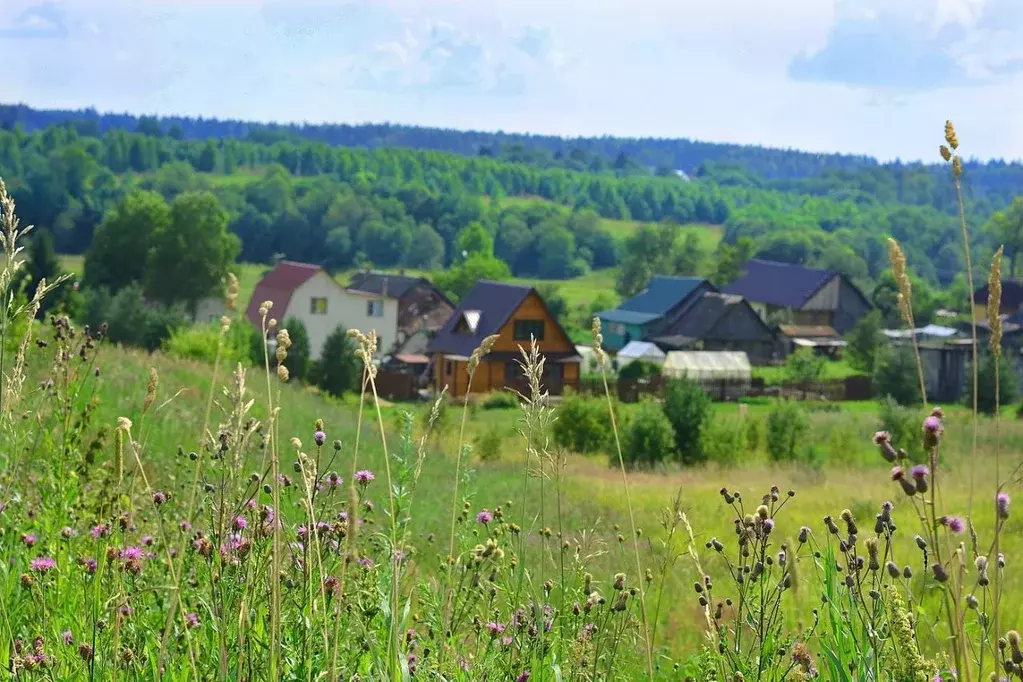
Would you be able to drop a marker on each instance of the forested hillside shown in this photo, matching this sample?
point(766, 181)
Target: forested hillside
point(288, 195)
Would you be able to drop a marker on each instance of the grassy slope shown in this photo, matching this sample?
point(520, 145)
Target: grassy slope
point(854, 477)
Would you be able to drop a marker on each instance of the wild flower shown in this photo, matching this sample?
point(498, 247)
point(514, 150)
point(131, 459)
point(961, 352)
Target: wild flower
point(42, 565)
point(159, 498)
point(29, 540)
point(364, 477)
point(319, 437)
point(67, 532)
point(100, 530)
point(955, 524)
point(484, 517)
point(192, 620)
point(240, 523)
point(1002, 503)
point(67, 638)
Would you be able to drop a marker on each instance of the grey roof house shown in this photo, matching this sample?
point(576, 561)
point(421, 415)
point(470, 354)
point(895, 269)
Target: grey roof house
point(647, 313)
point(721, 322)
point(806, 296)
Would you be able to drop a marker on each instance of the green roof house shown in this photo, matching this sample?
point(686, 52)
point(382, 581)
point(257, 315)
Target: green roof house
point(642, 316)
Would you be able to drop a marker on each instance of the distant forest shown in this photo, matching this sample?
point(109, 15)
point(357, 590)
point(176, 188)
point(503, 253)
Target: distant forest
point(400, 195)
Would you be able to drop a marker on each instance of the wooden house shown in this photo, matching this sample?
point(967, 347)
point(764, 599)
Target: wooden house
point(644, 316)
point(722, 322)
point(797, 295)
point(516, 314)
point(1010, 303)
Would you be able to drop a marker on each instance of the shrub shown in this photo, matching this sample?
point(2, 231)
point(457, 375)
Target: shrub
point(648, 439)
point(754, 433)
point(500, 400)
point(805, 366)
point(724, 440)
point(297, 361)
point(1007, 383)
point(639, 370)
point(583, 426)
point(130, 320)
point(200, 342)
point(895, 375)
point(864, 341)
point(787, 423)
point(488, 444)
point(338, 370)
point(687, 408)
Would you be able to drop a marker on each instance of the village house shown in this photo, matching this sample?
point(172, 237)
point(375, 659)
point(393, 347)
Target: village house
point(1010, 302)
point(516, 314)
point(392, 305)
point(721, 322)
point(644, 315)
point(785, 293)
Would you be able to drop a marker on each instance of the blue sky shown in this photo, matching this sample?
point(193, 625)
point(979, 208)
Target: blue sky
point(866, 76)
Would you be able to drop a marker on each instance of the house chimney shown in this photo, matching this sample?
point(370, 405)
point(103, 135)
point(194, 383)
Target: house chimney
point(383, 288)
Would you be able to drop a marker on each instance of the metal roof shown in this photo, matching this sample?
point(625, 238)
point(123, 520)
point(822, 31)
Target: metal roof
point(782, 284)
point(627, 316)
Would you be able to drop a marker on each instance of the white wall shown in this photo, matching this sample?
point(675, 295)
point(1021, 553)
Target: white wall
point(343, 308)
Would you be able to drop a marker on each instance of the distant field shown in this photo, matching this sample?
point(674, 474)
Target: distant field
point(709, 235)
point(837, 369)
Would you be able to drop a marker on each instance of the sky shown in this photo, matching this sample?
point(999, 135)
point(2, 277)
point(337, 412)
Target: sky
point(875, 77)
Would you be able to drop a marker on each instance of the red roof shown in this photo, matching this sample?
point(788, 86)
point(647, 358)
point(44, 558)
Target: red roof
point(278, 285)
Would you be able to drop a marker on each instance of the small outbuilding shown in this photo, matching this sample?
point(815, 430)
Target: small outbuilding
point(640, 350)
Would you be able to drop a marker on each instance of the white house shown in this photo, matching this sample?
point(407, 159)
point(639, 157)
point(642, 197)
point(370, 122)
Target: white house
point(391, 305)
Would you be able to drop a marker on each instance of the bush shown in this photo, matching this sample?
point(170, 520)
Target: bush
point(639, 369)
point(200, 342)
point(338, 370)
point(130, 320)
point(583, 425)
point(297, 361)
point(903, 424)
point(986, 383)
point(724, 440)
point(648, 438)
point(805, 366)
point(488, 444)
point(864, 340)
point(500, 400)
point(787, 423)
point(896, 376)
point(754, 433)
point(687, 408)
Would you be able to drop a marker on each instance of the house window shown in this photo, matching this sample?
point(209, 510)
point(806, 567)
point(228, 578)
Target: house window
point(318, 306)
point(524, 329)
point(375, 308)
point(617, 328)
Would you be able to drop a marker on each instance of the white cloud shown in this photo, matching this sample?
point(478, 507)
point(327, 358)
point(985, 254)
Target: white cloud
point(708, 70)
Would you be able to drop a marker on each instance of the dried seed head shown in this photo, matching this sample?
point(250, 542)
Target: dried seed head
point(945, 153)
point(264, 308)
point(994, 302)
point(950, 135)
point(598, 342)
point(905, 296)
point(154, 381)
point(231, 295)
point(957, 167)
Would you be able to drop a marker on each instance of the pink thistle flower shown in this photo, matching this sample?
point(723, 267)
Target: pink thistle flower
point(192, 620)
point(240, 523)
point(898, 473)
point(523, 676)
point(484, 517)
point(147, 540)
point(882, 437)
point(1002, 502)
point(932, 424)
point(495, 628)
point(133, 554)
point(29, 539)
point(100, 530)
point(159, 497)
point(66, 636)
point(42, 564)
point(364, 477)
point(186, 526)
point(320, 438)
point(955, 524)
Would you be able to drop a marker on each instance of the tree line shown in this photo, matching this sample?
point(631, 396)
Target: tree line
point(289, 197)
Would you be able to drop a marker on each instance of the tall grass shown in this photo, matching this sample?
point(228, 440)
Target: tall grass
point(248, 555)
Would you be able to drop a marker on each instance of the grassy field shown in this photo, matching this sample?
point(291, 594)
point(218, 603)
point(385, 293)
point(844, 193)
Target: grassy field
point(833, 369)
point(850, 475)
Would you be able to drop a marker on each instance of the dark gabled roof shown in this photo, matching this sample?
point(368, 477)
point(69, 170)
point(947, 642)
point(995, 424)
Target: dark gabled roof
point(627, 316)
point(376, 282)
point(1012, 294)
point(782, 284)
point(662, 294)
point(705, 313)
point(495, 303)
point(278, 285)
